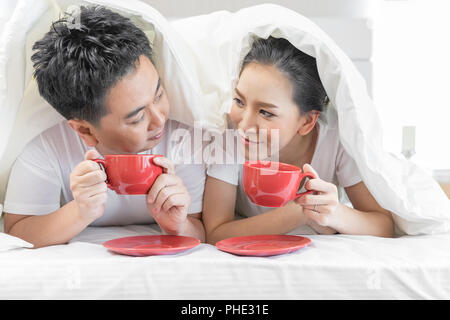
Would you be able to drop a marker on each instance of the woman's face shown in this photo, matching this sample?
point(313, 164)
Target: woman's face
point(263, 110)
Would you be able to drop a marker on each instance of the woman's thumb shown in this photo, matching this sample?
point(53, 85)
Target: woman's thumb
point(308, 168)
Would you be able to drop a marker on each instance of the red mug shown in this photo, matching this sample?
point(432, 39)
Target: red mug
point(273, 184)
point(130, 173)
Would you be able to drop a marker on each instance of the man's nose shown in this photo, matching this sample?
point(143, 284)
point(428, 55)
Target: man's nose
point(157, 119)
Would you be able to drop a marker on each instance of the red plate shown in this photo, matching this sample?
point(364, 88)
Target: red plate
point(151, 245)
point(262, 245)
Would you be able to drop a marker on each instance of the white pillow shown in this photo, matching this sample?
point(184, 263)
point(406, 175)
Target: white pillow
point(8, 242)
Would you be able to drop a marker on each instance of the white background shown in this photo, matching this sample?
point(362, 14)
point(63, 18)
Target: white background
point(411, 68)
point(407, 69)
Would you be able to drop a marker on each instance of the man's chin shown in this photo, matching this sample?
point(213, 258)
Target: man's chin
point(150, 145)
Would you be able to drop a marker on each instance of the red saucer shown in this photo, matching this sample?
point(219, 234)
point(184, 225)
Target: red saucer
point(151, 245)
point(262, 245)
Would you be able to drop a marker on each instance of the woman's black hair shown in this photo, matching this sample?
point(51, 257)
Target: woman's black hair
point(300, 68)
point(83, 56)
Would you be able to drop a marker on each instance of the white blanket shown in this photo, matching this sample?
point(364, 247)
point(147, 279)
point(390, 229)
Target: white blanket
point(24, 114)
point(332, 267)
point(222, 40)
point(199, 59)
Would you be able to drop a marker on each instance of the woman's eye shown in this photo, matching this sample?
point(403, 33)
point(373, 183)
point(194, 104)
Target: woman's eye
point(266, 114)
point(238, 101)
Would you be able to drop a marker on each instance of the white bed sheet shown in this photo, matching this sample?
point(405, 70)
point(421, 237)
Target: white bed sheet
point(332, 267)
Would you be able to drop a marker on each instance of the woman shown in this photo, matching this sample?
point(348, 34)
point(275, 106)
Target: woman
point(279, 94)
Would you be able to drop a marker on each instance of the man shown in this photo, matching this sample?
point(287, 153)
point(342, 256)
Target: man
point(101, 78)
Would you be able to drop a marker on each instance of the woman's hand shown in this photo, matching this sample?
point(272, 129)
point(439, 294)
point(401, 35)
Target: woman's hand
point(321, 206)
point(168, 200)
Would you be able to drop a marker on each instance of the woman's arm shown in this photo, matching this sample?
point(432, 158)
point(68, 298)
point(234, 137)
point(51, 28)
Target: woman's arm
point(218, 215)
point(366, 216)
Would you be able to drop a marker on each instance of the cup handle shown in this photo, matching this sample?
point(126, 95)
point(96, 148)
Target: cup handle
point(102, 165)
point(307, 175)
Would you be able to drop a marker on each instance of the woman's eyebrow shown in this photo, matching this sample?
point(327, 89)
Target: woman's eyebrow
point(238, 92)
point(258, 103)
point(266, 105)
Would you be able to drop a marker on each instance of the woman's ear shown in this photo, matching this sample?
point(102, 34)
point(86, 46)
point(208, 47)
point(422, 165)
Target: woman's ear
point(308, 122)
point(85, 130)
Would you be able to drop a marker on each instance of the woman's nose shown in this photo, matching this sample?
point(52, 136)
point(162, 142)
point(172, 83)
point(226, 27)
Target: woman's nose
point(248, 122)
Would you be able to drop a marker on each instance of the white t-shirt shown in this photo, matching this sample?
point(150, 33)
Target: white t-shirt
point(330, 161)
point(39, 182)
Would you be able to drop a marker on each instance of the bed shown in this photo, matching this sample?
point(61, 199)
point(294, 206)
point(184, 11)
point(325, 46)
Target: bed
point(331, 267)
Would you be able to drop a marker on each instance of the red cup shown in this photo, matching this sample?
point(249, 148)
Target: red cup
point(130, 173)
point(273, 184)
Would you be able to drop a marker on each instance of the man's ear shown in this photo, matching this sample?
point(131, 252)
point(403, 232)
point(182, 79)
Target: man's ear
point(308, 122)
point(85, 130)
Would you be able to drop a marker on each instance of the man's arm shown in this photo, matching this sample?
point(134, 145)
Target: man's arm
point(87, 183)
point(168, 202)
point(54, 228)
point(194, 227)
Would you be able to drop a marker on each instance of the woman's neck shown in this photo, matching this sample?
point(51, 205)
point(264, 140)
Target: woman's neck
point(300, 149)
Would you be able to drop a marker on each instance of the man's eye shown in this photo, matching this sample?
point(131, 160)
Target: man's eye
point(138, 120)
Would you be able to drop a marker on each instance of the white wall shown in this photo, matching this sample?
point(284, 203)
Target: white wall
point(348, 22)
point(400, 47)
point(329, 8)
point(412, 64)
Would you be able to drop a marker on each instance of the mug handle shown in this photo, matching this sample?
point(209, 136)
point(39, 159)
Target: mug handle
point(306, 175)
point(102, 165)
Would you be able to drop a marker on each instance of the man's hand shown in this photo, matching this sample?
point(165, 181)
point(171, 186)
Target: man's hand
point(87, 182)
point(168, 200)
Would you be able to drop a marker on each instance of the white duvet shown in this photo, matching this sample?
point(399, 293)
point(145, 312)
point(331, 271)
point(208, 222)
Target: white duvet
point(199, 59)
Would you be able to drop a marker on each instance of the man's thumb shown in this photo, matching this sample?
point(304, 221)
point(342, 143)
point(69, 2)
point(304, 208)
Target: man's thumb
point(92, 154)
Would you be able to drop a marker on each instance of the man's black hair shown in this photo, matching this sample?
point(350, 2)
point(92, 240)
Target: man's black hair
point(83, 56)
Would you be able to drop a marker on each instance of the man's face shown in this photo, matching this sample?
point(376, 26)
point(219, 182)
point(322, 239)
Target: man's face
point(138, 109)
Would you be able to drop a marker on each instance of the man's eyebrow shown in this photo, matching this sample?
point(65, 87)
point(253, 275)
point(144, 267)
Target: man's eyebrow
point(136, 111)
point(133, 113)
point(158, 86)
